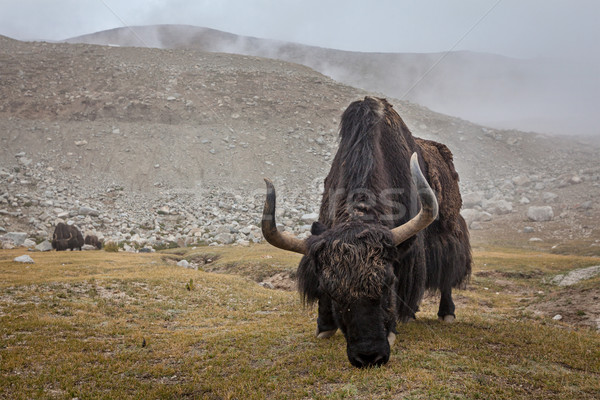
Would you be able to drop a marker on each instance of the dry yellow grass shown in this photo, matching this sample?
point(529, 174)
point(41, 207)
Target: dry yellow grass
point(116, 325)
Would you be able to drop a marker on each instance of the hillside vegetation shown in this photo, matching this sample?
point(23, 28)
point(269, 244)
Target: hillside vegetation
point(94, 325)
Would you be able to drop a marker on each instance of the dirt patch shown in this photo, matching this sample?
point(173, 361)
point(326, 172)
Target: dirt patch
point(203, 259)
point(577, 306)
point(280, 281)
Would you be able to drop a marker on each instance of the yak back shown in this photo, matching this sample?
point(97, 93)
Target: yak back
point(443, 179)
point(372, 158)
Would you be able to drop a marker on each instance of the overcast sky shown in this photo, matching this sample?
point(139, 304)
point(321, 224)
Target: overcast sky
point(518, 28)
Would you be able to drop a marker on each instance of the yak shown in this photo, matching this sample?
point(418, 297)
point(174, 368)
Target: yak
point(389, 229)
point(66, 237)
point(93, 240)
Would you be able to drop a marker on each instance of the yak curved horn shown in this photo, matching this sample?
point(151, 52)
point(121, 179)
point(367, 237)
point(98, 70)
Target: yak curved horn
point(283, 240)
point(429, 206)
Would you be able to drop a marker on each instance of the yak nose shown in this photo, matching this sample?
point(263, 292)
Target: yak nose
point(369, 359)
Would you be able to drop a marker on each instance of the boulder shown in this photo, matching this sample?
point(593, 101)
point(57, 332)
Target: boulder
point(498, 207)
point(471, 215)
point(16, 238)
point(24, 259)
point(473, 199)
point(44, 246)
point(88, 211)
point(576, 276)
point(540, 213)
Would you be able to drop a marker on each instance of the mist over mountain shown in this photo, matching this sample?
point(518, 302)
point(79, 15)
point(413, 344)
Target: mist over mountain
point(542, 95)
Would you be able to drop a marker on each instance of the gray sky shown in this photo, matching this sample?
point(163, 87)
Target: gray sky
point(518, 28)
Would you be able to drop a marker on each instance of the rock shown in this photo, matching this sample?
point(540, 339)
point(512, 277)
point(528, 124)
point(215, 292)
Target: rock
point(498, 207)
point(44, 246)
point(473, 199)
point(549, 196)
point(89, 247)
point(309, 217)
point(17, 238)
point(224, 238)
point(88, 211)
point(557, 317)
point(521, 180)
point(183, 263)
point(576, 276)
point(586, 205)
point(524, 200)
point(476, 226)
point(24, 259)
point(470, 215)
point(540, 214)
point(535, 239)
point(25, 161)
point(575, 180)
point(29, 243)
point(528, 229)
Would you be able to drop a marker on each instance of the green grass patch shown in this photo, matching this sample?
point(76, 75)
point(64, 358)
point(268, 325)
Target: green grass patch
point(97, 325)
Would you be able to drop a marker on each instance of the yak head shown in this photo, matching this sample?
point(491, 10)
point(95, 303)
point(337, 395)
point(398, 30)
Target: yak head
point(351, 266)
point(60, 244)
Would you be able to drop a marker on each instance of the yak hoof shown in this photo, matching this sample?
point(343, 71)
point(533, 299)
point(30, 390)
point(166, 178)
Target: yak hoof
point(447, 318)
point(391, 338)
point(325, 334)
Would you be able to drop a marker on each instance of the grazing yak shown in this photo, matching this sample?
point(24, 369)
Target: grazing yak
point(66, 237)
point(93, 240)
point(389, 228)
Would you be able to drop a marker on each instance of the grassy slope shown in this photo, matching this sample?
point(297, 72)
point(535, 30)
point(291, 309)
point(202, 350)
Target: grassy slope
point(107, 325)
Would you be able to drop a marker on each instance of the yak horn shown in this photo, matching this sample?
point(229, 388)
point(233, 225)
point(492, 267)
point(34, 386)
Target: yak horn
point(429, 206)
point(283, 240)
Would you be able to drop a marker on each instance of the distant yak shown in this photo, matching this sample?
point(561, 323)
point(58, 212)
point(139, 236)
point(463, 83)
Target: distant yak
point(389, 228)
point(92, 240)
point(66, 237)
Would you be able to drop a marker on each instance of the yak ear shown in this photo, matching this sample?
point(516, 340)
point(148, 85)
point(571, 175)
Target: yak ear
point(317, 228)
point(308, 280)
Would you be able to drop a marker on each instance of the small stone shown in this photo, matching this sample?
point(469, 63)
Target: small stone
point(183, 263)
point(557, 317)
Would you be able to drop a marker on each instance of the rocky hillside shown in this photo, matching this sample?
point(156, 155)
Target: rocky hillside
point(543, 95)
point(156, 145)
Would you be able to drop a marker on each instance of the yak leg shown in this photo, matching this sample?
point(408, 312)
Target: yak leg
point(446, 310)
point(326, 325)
